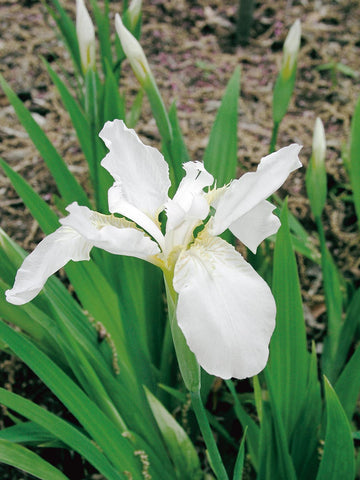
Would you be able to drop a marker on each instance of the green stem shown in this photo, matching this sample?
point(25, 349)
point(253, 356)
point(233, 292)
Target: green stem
point(213, 452)
point(159, 110)
point(91, 112)
point(188, 365)
point(274, 137)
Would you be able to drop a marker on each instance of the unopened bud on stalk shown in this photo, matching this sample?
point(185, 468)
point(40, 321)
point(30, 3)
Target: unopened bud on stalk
point(319, 143)
point(316, 182)
point(86, 36)
point(133, 51)
point(291, 49)
point(133, 13)
point(285, 81)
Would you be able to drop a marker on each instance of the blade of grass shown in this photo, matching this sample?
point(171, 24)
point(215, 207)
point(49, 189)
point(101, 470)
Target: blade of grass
point(39, 209)
point(114, 103)
point(68, 434)
point(179, 148)
point(338, 457)
point(29, 433)
point(103, 32)
point(115, 446)
point(334, 301)
point(282, 461)
point(78, 119)
point(253, 432)
point(220, 157)
point(181, 449)
point(346, 335)
point(354, 163)
point(28, 461)
point(67, 29)
point(288, 363)
point(304, 441)
point(239, 465)
point(347, 385)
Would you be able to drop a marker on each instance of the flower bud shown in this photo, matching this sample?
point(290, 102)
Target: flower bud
point(133, 13)
point(133, 51)
point(86, 36)
point(291, 49)
point(316, 181)
point(318, 144)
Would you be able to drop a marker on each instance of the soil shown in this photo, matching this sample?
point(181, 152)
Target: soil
point(192, 51)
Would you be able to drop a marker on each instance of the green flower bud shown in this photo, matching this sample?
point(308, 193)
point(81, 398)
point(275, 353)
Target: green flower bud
point(291, 50)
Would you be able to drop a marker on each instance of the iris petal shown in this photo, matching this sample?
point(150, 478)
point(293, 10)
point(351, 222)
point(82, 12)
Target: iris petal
point(118, 204)
point(140, 169)
point(189, 206)
point(115, 235)
point(225, 309)
point(52, 253)
point(256, 225)
point(247, 192)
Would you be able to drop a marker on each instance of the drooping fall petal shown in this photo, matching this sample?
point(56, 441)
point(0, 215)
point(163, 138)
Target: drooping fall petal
point(225, 309)
point(115, 235)
point(256, 225)
point(247, 192)
point(52, 253)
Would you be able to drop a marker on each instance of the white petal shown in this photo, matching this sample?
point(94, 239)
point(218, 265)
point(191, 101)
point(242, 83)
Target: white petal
point(140, 170)
point(86, 36)
point(117, 204)
point(52, 253)
point(225, 309)
point(256, 225)
point(189, 199)
point(244, 194)
point(189, 206)
point(115, 235)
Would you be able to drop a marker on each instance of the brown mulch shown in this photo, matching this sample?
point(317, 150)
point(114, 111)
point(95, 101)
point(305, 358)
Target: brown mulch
point(190, 47)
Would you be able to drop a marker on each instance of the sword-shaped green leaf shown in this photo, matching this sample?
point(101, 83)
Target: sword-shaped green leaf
point(220, 157)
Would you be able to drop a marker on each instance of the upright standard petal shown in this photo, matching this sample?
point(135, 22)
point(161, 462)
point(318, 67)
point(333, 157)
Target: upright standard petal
point(189, 199)
point(115, 235)
point(251, 189)
point(140, 170)
point(189, 206)
point(225, 309)
point(118, 204)
point(52, 253)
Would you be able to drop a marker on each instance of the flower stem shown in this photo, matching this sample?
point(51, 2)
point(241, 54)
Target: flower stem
point(274, 137)
point(188, 365)
point(213, 452)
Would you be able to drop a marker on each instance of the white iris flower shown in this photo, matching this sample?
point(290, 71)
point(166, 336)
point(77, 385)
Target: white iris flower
point(225, 310)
